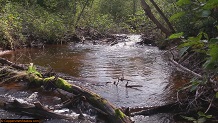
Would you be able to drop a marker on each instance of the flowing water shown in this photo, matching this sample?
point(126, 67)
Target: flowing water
point(97, 67)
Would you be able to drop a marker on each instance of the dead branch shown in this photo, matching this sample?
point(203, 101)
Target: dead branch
point(185, 69)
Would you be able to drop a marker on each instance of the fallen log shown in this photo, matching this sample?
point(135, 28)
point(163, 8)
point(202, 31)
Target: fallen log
point(113, 114)
point(174, 107)
point(35, 110)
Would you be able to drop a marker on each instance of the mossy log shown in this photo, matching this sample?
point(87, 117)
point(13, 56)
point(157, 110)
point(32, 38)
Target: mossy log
point(113, 114)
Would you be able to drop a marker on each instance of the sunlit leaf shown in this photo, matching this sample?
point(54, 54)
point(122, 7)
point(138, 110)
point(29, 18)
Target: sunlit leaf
point(183, 2)
point(211, 4)
point(176, 35)
point(197, 38)
point(209, 116)
point(176, 16)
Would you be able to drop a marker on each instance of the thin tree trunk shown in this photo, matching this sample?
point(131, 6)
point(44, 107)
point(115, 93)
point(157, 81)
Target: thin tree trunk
point(163, 16)
point(134, 7)
point(148, 12)
point(86, 4)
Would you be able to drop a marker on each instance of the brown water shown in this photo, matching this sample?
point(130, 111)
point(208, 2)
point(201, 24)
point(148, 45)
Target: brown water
point(96, 65)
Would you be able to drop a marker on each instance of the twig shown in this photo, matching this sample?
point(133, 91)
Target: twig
point(209, 106)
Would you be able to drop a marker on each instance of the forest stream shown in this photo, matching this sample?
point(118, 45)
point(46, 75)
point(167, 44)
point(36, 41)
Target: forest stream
point(98, 67)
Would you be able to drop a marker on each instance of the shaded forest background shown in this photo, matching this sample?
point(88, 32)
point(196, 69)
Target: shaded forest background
point(54, 21)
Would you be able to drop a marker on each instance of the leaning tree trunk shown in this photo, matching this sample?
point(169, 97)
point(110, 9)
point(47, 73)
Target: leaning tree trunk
point(163, 16)
point(113, 114)
point(148, 12)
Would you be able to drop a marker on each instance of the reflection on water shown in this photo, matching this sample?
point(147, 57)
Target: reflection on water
point(142, 65)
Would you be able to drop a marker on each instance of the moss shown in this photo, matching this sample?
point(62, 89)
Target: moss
point(35, 79)
point(97, 97)
point(104, 101)
point(60, 83)
point(119, 113)
point(48, 79)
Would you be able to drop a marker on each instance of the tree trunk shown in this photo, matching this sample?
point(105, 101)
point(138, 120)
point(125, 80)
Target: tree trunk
point(148, 12)
point(80, 14)
point(163, 16)
point(134, 6)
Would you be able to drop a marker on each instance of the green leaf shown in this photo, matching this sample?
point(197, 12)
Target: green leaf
point(183, 2)
point(201, 120)
point(213, 51)
point(176, 16)
point(208, 64)
point(213, 59)
point(176, 35)
point(209, 116)
point(211, 4)
point(216, 94)
point(189, 118)
point(206, 36)
point(200, 113)
point(198, 38)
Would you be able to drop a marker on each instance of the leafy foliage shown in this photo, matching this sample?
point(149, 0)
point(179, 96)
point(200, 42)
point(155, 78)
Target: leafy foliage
point(176, 35)
point(177, 16)
point(203, 20)
point(202, 117)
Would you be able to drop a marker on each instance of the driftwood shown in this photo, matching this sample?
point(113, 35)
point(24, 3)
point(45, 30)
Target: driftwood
point(113, 114)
